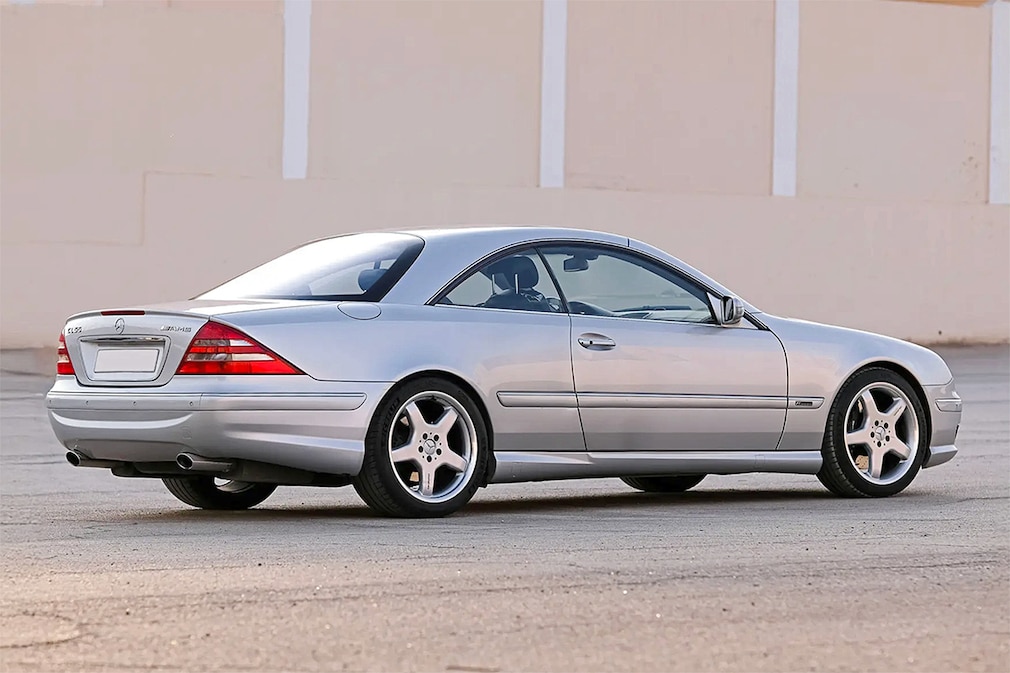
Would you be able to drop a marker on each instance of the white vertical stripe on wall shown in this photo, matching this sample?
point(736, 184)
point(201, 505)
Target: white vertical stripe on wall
point(999, 105)
point(552, 93)
point(297, 41)
point(787, 76)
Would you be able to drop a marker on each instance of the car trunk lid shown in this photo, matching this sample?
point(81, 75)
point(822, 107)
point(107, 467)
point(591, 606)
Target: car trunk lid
point(124, 348)
point(141, 347)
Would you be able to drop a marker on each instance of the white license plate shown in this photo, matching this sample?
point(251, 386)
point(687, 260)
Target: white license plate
point(115, 360)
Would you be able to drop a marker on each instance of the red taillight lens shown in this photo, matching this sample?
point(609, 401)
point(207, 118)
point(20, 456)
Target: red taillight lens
point(64, 367)
point(219, 349)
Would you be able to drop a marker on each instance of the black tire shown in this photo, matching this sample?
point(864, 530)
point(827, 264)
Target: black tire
point(203, 492)
point(840, 472)
point(674, 483)
point(390, 490)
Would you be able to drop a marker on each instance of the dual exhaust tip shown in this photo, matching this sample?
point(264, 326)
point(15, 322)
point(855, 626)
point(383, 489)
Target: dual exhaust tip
point(193, 463)
point(187, 461)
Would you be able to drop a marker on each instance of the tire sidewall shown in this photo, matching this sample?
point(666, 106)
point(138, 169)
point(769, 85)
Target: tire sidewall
point(846, 396)
point(377, 444)
point(674, 483)
point(201, 491)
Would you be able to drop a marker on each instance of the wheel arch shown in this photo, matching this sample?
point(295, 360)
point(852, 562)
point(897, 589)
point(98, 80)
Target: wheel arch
point(912, 381)
point(469, 389)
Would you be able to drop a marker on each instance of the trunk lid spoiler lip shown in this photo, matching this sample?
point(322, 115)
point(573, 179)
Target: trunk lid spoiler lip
point(205, 308)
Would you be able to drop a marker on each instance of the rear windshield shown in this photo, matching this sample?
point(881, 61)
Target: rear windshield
point(360, 267)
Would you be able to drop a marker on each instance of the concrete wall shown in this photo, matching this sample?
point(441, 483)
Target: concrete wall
point(141, 143)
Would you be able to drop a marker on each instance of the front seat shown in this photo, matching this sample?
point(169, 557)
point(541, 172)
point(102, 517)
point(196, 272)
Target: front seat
point(518, 276)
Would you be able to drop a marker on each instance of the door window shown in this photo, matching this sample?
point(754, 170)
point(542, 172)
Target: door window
point(605, 282)
point(519, 282)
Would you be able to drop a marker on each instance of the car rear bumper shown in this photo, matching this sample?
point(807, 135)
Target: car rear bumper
point(303, 427)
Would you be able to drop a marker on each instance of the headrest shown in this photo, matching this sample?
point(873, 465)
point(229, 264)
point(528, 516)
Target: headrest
point(368, 277)
point(507, 271)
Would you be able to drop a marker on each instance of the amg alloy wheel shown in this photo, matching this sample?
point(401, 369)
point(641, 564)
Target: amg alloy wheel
point(426, 452)
point(875, 438)
point(675, 483)
point(210, 493)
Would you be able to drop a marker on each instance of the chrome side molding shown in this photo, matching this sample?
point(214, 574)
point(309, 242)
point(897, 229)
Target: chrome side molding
point(654, 401)
point(805, 402)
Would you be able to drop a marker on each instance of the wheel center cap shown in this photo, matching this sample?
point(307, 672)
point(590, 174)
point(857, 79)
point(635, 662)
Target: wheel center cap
point(429, 446)
point(878, 434)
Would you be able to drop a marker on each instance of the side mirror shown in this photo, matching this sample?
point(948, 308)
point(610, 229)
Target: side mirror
point(728, 310)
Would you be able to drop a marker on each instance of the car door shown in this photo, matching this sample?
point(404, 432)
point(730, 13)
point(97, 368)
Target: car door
point(514, 336)
point(652, 369)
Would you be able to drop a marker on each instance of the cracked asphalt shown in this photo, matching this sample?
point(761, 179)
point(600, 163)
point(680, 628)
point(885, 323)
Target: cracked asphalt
point(749, 573)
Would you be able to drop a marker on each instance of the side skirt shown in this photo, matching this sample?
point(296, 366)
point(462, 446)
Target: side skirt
point(516, 466)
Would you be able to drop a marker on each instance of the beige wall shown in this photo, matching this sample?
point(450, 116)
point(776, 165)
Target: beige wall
point(425, 93)
point(670, 96)
point(894, 101)
point(140, 148)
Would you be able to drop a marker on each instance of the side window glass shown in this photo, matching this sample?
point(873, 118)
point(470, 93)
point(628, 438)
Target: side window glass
point(600, 281)
point(518, 282)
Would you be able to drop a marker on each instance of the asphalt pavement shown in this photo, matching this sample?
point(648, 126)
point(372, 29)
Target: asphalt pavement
point(748, 573)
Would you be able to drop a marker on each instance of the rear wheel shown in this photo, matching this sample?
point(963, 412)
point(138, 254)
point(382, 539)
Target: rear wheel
point(676, 483)
point(211, 493)
point(426, 451)
point(875, 438)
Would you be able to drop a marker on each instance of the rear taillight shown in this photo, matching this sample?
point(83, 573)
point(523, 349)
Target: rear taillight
point(219, 349)
point(64, 367)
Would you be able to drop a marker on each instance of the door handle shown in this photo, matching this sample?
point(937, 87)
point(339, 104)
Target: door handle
point(596, 342)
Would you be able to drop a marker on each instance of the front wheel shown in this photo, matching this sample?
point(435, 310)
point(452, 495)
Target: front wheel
point(667, 484)
point(875, 439)
point(212, 493)
point(426, 451)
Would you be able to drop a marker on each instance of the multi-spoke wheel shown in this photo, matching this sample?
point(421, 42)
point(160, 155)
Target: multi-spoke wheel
point(211, 493)
point(674, 483)
point(875, 438)
point(426, 451)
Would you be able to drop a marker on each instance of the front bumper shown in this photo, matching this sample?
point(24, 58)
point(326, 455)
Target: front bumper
point(945, 418)
point(308, 425)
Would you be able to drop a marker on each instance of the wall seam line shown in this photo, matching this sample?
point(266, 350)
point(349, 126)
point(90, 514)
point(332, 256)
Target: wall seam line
point(785, 110)
point(552, 93)
point(297, 50)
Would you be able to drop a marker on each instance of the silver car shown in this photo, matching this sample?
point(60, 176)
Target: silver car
point(420, 366)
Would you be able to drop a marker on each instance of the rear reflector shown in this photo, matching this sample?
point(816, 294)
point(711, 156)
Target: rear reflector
point(219, 349)
point(63, 365)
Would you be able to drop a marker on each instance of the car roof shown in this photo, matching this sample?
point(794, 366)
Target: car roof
point(510, 234)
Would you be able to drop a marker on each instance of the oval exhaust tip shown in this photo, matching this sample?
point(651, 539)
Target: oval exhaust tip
point(184, 460)
point(73, 458)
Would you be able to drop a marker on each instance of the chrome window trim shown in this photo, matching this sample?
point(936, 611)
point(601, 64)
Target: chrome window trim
point(536, 244)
